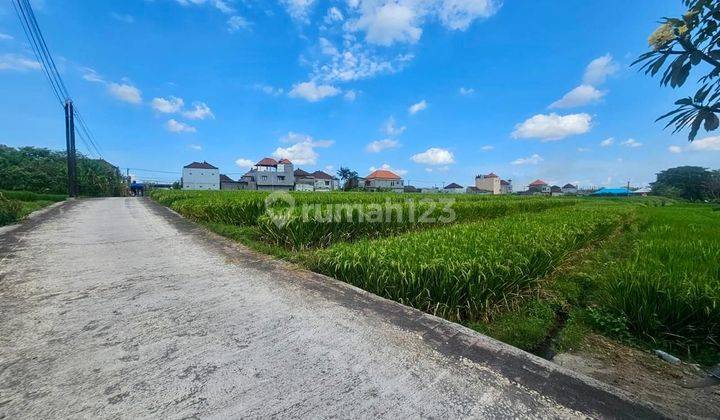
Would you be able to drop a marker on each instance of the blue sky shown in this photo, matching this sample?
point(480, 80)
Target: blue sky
point(438, 90)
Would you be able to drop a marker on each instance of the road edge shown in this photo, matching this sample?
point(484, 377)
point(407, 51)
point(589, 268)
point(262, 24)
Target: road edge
point(569, 388)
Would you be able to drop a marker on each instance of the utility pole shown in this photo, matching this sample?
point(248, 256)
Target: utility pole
point(628, 188)
point(70, 147)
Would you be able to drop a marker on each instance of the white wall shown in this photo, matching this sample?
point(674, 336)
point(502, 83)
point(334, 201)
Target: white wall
point(201, 179)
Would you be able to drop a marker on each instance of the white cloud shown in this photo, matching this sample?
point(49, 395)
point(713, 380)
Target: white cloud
point(390, 23)
point(552, 126)
point(466, 91)
point(459, 14)
point(124, 18)
point(303, 151)
point(298, 9)
point(175, 126)
point(584, 149)
point(415, 108)
point(313, 92)
point(391, 129)
point(6, 37)
point(350, 95)
point(125, 92)
point(244, 163)
point(434, 156)
point(675, 149)
point(581, 95)
point(599, 69)
point(378, 146)
point(487, 148)
point(169, 105)
point(18, 63)
point(195, 146)
point(235, 23)
point(385, 166)
point(200, 111)
point(707, 144)
point(270, 90)
point(221, 5)
point(607, 142)
point(532, 160)
point(631, 143)
point(354, 62)
point(334, 15)
point(91, 75)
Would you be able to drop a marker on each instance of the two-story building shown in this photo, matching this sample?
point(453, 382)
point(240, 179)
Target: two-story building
point(569, 189)
point(269, 175)
point(539, 187)
point(200, 176)
point(316, 181)
point(383, 179)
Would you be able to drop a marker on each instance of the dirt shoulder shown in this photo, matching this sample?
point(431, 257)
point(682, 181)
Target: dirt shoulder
point(665, 386)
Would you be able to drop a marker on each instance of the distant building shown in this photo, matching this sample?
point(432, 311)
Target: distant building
point(476, 190)
point(569, 189)
point(555, 191)
point(453, 188)
point(643, 191)
point(431, 190)
point(200, 176)
point(539, 187)
point(411, 189)
point(316, 181)
point(270, 175)
point(227, 183)
point(506, 186)
point(382, 179)
point(489, 182)
point(612, 192)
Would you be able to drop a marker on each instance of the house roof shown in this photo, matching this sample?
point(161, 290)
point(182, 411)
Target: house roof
point(611, 191)
point(538, 183)
point(503, 182)
point(267, 162)
point(569, 186)
point(299, 173)
point(225, 178)
point(285, 161)
point(555, 188)
point(383, 174)
point(491, 175)
point(322, 175)
point(200, 165)
point(452, 185)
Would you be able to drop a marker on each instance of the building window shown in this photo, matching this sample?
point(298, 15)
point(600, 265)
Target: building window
point(327, 182)
point(281, 177)
point(264, 177)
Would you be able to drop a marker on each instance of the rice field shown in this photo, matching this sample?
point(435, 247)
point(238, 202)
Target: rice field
point(649, 268)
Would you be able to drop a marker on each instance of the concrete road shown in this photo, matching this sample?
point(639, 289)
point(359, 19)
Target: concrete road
point(120, 308)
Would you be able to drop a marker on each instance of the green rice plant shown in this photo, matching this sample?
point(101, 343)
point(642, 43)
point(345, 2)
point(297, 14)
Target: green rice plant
point(459, 271)
point(668, 289)
point(323, 224)
point(10, 210)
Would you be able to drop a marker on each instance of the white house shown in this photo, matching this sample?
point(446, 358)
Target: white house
point(269, 175)
point(384, 180)
point(200, 176)
point(569, 189)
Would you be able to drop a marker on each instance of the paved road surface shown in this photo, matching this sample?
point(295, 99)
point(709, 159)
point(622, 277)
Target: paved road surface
point(120, 308)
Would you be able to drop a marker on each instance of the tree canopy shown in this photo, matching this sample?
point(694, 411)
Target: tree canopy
point(45, 171)
point(688, 182)
point(680, 45)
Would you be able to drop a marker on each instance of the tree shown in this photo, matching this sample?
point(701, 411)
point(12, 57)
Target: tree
point(45, 171)
point(348, 176)
point(688, 182)
point(681, 45)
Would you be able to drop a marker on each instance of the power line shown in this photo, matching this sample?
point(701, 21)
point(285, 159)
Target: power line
point(32, 31)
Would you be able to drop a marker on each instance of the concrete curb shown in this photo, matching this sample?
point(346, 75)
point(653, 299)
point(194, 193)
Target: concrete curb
point(571, 389)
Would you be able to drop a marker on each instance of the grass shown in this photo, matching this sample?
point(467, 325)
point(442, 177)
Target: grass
point(12, 209)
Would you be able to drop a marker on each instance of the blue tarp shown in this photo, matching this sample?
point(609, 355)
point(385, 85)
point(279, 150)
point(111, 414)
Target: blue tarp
point(611, 191)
